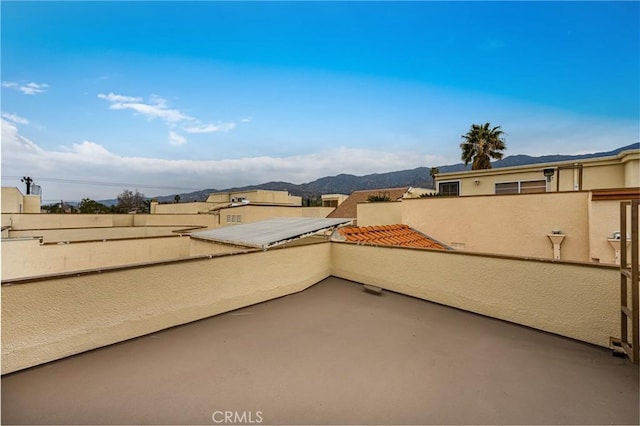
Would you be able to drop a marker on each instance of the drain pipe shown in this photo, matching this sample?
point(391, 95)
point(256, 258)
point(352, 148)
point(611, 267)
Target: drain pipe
point(556, 238)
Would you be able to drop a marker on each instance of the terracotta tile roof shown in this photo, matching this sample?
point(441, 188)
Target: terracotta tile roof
point(390, 235)
point(348, 208)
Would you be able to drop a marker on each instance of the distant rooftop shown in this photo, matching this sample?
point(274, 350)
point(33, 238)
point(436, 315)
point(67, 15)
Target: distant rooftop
point(391, 235)
point(349, 207)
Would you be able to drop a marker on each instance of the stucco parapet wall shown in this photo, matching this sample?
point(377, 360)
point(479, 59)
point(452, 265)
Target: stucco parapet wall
point(489, 255)
point(107, 269)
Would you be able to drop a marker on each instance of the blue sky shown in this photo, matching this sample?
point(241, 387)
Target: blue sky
point(168, 97)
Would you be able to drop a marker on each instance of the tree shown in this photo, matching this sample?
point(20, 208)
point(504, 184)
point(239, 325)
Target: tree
point(433, 172)
point(88, 205)
point(481, 144)
point(378, 198)
point(177, 198)
point(129, 201)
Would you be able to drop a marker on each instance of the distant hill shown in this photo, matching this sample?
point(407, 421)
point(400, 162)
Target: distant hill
point(346, 184)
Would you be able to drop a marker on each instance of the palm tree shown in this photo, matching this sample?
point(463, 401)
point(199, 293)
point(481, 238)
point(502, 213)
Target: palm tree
point(433, 172)
point(481, 144)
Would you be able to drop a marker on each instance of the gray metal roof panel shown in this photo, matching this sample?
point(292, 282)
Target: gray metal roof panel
point(269, 233)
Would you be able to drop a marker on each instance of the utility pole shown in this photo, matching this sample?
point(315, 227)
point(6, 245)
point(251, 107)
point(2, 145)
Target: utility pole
point(27, 180)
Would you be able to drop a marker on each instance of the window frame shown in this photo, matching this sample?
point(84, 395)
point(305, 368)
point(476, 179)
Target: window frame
point(519, 187)
point(456, 181)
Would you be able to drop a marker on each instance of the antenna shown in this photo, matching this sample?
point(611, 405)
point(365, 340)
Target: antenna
point(28, 181)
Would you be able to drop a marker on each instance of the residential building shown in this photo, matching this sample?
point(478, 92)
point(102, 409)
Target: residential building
point(13, 201)
point(333, 200)
point(618, 171)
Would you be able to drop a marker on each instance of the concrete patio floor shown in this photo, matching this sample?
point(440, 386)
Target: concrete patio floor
point(333, 354)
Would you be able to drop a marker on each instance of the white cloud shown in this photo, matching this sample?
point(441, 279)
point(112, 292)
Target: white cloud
point(15, 118)
point(112, 97)
point(209, 128)
point(246, 120)
point(157, 107)
point(176, 139)
point(31, 88)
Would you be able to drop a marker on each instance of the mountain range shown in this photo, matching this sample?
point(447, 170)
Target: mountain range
point(346, 183)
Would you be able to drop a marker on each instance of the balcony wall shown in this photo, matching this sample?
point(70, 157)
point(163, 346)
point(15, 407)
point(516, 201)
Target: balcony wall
point(514, 225)
point(575, 300)
point(50, 318)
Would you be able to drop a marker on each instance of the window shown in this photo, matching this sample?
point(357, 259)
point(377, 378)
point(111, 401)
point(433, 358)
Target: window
point(234, 218)
point(527, 187)
point(330, 203)
point(449, 188)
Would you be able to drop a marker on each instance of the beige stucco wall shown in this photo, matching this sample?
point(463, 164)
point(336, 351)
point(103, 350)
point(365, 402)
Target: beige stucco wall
point(69, 221)
point(183, 220)
point(199, 247)
point(253, 213)
point(577, 301)
point(12, 200)
point(603, 176)
point(28, 258)
point(385, 213)
point(61, 221)
point(506, 224)
point(89, 234)
point(32, 203)
point(604, 219)
point(182, 208)
point(257, 196)
point(632, 171)
point(53, 318)
point(319, 212)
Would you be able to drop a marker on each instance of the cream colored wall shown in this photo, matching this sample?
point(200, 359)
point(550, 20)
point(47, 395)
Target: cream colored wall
point(386, 213)
point(276, 197)
point(53, 318)
point(253, 213)
point(632, 172)
point(183, 208)
point(185, 220)
point(31, 204)
point(507, 224)
point(573, 300)
point(57, 221)
point(12, 200)
point(89, 234)
point(28, 258)
point(70, 221)
point(199, 247)
point(605, 176)
point(257, 196)
point(319, 212)
point(604, 219)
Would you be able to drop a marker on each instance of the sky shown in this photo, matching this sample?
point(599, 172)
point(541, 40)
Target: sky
point(172, 97)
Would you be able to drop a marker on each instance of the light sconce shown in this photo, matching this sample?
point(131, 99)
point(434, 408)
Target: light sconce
point(548, 173)
point(477, 182)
